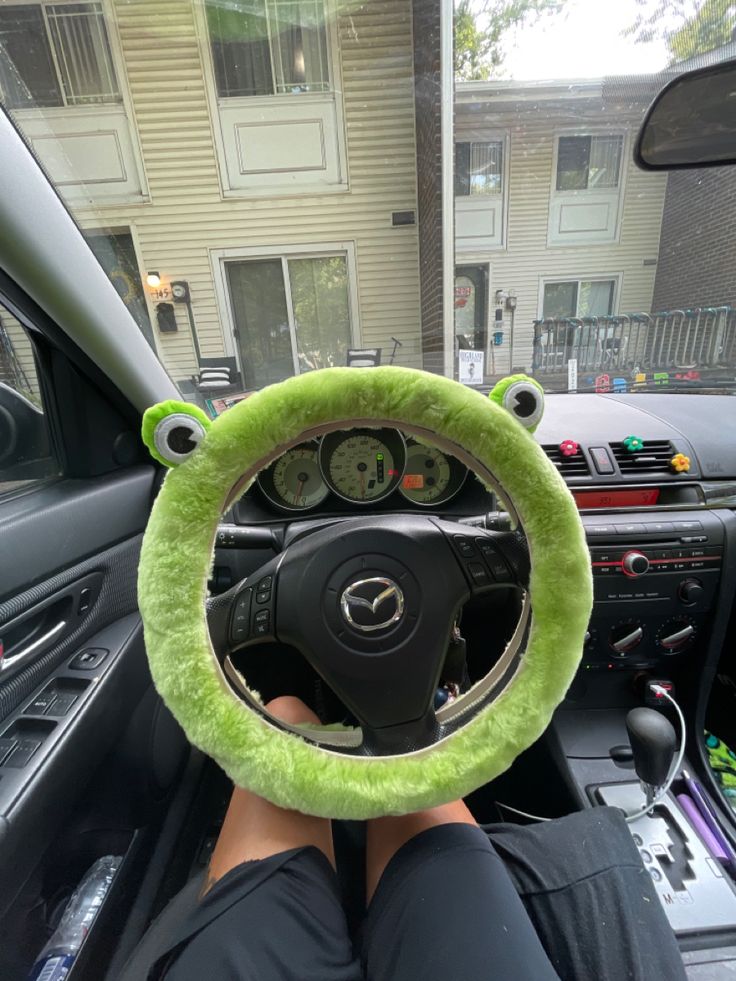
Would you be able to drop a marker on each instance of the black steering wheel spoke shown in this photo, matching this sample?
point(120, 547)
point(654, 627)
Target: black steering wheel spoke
point(488, 558)
point(246, 614)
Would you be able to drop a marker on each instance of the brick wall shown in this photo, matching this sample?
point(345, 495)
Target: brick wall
point(427, 95)
point(697, 250)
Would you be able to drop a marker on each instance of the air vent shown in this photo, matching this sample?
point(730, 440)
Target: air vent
point(568, 466)
point(654, 458)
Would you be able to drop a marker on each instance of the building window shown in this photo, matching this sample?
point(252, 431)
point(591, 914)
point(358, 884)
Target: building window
point(55, 55)
point(588, 162)
point(269, 47)
point(291, 314)
point(478, 168)
point(579, 298)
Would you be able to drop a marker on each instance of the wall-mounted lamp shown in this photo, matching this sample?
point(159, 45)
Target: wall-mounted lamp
point(153, 279)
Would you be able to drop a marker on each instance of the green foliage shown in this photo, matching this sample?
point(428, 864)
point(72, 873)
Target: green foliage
point(480, 27)
point(689, 27)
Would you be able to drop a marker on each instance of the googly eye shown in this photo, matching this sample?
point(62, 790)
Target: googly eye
point(177, 436)
point(525, 402)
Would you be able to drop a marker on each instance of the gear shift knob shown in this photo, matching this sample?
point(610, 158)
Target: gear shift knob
point(653, 743)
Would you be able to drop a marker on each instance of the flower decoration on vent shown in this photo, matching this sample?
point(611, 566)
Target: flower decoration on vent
point(634, 444)
point(568, 447)
point(680, 463)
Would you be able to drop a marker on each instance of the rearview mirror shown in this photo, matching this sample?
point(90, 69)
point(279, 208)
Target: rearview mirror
point(692, 122)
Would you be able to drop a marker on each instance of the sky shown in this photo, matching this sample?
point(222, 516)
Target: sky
point(584, 41)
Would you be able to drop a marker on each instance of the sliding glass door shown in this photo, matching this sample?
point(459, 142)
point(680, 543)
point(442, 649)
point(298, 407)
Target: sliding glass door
point(291, 314)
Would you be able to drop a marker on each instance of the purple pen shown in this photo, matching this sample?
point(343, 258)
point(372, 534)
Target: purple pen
point(701, 828)
point(709, 816)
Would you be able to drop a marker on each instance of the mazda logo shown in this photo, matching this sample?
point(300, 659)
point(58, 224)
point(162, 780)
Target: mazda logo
point(372, 604)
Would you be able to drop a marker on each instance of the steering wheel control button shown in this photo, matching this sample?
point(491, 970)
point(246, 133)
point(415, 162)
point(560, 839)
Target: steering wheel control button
point(478, 574)
point(635, 564)
point(265, 584)
point(464, 546)
point(376, 603)
point(264, 597)
point(495, 562)
point(241, 617)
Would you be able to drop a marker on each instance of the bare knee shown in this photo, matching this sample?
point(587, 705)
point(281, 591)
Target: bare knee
point(289, 708)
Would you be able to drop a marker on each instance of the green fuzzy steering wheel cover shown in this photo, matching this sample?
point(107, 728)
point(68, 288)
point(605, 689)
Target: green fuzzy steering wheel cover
point(176, 559)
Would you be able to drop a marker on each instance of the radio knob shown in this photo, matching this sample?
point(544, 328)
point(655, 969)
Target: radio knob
point(625, 637)
point(690, 591)
point(635, 564)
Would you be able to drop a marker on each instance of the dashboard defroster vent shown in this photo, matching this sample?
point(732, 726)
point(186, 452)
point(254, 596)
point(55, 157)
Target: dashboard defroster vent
point(653, 458)
point(568, 466)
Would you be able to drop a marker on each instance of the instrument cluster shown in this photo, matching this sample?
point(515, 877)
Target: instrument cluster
point(363, 467)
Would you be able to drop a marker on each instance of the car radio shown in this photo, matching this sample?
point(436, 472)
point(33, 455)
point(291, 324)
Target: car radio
point(655, 582)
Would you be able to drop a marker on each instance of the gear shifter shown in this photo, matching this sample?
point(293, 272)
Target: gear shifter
point(653, 742)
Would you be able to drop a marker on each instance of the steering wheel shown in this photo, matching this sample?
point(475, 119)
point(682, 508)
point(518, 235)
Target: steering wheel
point(370, 602)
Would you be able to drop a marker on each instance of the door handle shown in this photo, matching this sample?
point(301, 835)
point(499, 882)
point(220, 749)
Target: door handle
point(18, 658)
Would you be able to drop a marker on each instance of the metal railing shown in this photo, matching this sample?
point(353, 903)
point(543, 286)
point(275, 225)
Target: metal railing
point(672, 339)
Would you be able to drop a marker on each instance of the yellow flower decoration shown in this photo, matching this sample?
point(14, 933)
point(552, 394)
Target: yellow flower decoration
point(680, 463)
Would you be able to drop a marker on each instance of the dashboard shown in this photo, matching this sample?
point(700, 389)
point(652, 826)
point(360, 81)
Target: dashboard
point(658, 537)
point(361, 468)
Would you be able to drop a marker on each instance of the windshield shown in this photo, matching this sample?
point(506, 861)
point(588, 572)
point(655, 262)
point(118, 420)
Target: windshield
point(276, 186)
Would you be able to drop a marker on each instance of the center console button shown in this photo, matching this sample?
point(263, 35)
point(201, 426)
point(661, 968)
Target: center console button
point(660, 528)
point(632, 529)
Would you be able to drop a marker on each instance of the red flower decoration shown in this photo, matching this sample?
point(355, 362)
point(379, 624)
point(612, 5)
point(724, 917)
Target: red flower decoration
point(568, 447)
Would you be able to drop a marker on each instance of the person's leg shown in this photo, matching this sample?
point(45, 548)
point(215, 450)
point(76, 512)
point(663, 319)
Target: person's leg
point(592, 901)
point(443, 905)
point(385, 836)
point(255, 828)
point(270, 907)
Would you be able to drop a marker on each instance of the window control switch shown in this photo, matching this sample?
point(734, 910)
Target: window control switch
point(61, 705)
point(21, 755)
point(40, 704)
point(7, 745)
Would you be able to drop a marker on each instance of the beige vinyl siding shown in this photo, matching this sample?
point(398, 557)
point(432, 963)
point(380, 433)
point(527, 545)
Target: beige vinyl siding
point(527, 259)
point(188, 217)
point(21, 345)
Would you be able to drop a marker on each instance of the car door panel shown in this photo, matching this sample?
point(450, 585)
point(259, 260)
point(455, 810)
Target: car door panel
point(82, 744)
point(54, 526)
point(36, 796)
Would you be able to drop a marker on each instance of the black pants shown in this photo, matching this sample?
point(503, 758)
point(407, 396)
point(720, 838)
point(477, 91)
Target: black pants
point(569, 899)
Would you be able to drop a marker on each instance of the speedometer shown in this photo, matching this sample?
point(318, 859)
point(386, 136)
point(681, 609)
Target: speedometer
point(363, 465)
point(430, 477)
point(294, 481)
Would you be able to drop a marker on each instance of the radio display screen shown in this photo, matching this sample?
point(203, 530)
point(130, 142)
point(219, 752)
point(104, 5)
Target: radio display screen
point(629, 498)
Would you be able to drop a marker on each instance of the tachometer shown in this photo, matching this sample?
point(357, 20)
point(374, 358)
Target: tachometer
point(294, 481)
point(430, 477)
point(363, 465)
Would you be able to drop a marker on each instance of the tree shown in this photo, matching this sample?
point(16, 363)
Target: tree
point(688, 27)
point(480, 27)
